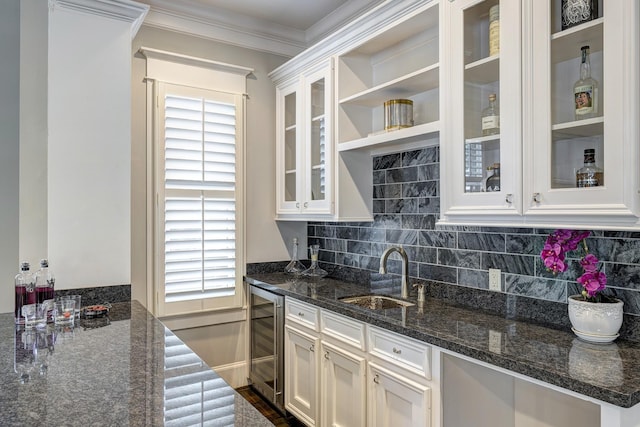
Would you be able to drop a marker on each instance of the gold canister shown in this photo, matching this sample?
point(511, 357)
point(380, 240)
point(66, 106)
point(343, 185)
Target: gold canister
point(398, 114)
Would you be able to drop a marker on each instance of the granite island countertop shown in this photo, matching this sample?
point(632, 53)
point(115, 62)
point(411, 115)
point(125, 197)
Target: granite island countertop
point(610, 373)
point(124, 370)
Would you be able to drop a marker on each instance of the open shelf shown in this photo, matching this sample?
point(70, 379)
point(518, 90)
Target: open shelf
point(483, 71)
point(405, 86)
point(578, 128)
point(399, 136)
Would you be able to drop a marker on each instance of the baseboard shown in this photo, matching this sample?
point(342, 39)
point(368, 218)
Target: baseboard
point(235, 374)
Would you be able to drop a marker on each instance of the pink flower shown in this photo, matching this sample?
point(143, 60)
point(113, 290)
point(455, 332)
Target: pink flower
point(593, 282)
point(589, 262)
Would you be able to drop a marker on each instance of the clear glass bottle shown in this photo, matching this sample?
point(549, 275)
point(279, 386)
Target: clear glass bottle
point(314, 270)
point(491, 117)
point(494, 30)
point(493, 181)
point(589, 175)
point(294, 266)
point(585, 89)
point(25, 290)
point(45, 282)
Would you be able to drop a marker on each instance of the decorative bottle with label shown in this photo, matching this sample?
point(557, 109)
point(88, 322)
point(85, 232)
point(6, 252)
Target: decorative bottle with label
point(494, 30)
point(589, 175)
point(491, 117)
point(575, 12)
point(585, 90)
point(493, 181)
point(25, 290)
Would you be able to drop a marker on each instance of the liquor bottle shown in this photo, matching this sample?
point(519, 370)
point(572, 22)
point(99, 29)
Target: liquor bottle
point(493, 181)
point(45, 282)
point(25, 290)
point(589, 175)
point(576, 12)
point(585, 90)
point(491, 118)
point(494, 30)
point(294, 266)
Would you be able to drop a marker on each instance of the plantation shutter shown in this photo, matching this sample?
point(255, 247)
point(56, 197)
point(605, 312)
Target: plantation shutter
point(200, 208)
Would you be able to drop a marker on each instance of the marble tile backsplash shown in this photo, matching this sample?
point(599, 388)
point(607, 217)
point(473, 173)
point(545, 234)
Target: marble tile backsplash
point(406, 204)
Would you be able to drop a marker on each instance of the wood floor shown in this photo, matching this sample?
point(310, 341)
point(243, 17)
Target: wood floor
point(266, 409)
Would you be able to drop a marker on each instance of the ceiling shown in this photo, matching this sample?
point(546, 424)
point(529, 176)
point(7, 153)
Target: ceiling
point(284, 27)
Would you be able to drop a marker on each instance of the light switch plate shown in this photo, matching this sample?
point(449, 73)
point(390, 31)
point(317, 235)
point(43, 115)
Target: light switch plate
point(494, 280)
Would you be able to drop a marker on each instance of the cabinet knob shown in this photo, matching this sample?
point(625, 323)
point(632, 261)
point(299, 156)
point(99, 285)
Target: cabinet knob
point(301, 314)
point(298, 205)
point(326, 355)
point(376, 379)
point(312, 349)
point(509, 198)
point(536, 197)
point(397, 351)
point(306, 204)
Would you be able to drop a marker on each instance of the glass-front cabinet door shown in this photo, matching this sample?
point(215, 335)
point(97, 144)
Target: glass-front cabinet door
point(481, 136)
point(305, 145)
point(582, 136)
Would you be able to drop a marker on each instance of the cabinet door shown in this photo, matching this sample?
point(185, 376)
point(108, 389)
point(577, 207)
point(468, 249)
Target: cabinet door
point(472, 144)
point(301, 375)
point(343, 388)
point(318, 86)
point(555, 137)
point(289, 153)
point(395, 400)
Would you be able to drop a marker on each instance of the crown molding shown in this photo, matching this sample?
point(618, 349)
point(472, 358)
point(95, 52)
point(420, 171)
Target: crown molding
point(164, 55)
point(338, 18)
point(123, 10)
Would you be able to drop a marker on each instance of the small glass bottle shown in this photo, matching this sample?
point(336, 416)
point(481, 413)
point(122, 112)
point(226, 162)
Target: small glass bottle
point(585, 89)
point(25, 290)
point(294, 266)
point(45, 282)
point(491, 117)
point(589, 175)
point(493, 181)
point(314, 270)
point(494, 30)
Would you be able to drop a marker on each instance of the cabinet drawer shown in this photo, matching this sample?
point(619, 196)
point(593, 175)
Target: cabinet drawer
point(301, 313)
point(345, 330)
point(404, 352)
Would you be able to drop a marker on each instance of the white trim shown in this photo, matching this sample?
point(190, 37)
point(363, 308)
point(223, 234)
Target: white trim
point(194, 61)
point(123, 10)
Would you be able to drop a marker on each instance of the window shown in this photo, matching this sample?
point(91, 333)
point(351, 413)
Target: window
point(199, 199)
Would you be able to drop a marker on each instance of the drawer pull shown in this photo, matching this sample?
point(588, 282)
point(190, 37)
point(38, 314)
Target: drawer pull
point(397, 351)
point(376, 379)
point(301, 314)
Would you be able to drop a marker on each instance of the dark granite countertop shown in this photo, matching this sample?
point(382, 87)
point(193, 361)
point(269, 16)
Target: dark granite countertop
point(125, 370)
point(610, 373)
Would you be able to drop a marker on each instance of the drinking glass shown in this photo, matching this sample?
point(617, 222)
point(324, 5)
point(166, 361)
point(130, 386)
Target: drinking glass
point(65, 311)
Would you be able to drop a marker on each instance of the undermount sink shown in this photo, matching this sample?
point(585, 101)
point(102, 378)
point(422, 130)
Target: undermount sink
point(376, 302)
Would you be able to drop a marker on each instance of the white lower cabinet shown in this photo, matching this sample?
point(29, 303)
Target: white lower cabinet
point(301, 374)
point(343, 385)
point(395, 400)
point(336, 375)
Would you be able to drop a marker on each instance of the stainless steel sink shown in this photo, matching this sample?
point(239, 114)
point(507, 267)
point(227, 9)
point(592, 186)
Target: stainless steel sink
point(376, 302)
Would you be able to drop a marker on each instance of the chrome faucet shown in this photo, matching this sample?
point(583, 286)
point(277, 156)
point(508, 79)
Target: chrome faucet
point(404, 290)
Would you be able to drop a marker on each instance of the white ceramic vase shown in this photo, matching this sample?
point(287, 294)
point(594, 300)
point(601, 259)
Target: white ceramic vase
point(595, 322)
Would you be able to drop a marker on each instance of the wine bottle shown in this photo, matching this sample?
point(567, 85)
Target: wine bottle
point(585, 90)
point(491, 118)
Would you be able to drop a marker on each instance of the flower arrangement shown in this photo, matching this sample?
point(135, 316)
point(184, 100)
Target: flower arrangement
point(553, 256)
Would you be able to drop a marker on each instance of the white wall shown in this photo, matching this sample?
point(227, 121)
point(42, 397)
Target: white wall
point(89, 149)
point(9, 147)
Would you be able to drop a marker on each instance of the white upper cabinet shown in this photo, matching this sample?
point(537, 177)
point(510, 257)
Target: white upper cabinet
point(541, 141)
point(304, 144)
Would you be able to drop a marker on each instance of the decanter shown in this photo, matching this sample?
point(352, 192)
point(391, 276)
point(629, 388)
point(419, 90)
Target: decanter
point(294, 266)
point(314, 270)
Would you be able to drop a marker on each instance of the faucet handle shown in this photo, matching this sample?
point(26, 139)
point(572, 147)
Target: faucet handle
point(421, 290)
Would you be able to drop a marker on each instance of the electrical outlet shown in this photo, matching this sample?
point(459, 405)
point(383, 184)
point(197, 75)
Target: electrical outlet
point(494, 280)
point(495, 342)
